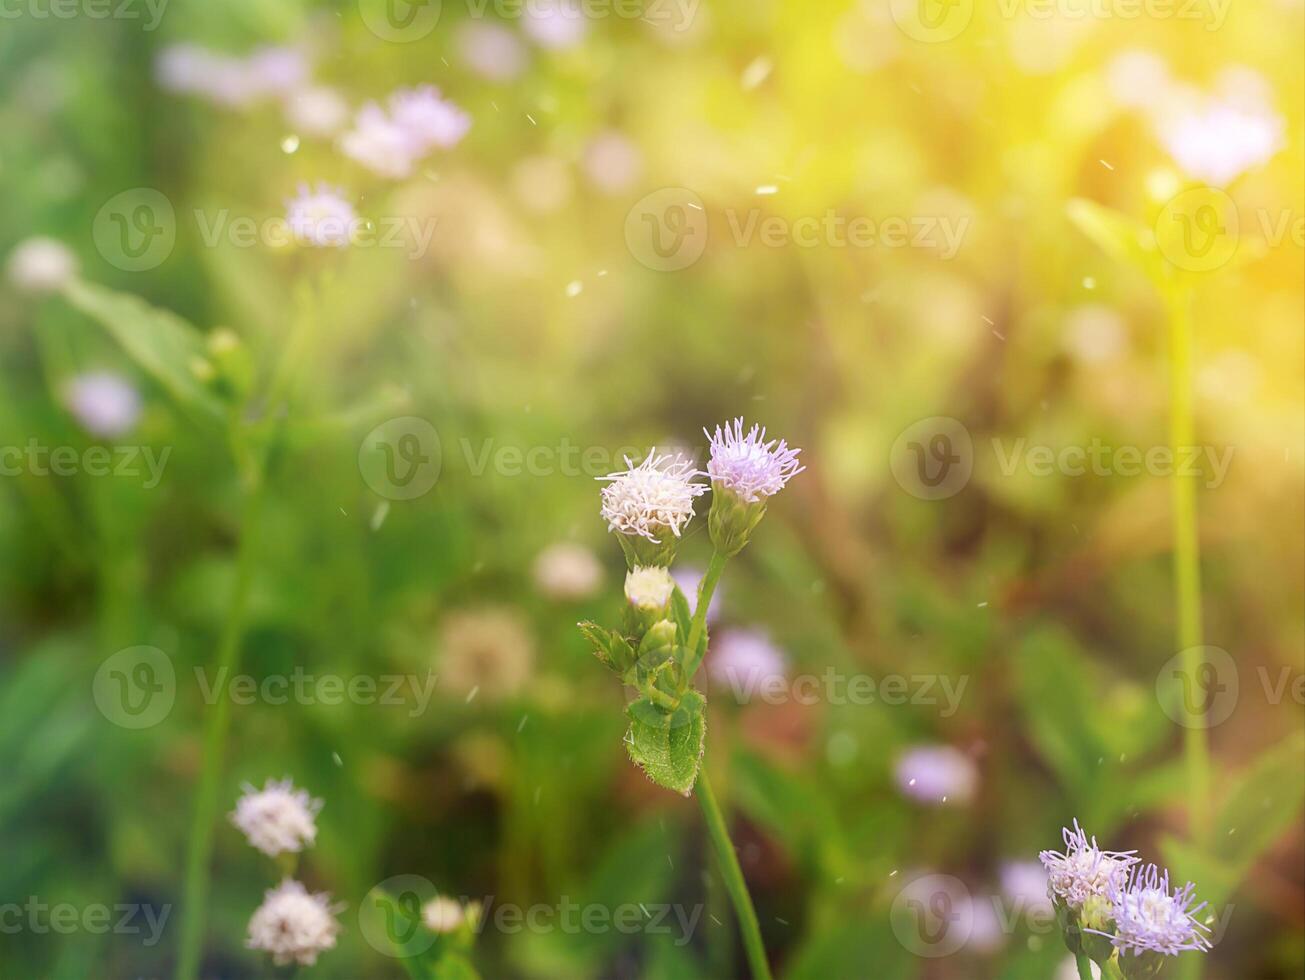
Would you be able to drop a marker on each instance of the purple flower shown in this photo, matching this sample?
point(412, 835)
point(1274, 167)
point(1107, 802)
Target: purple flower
point(379, 143)
point(321, 217)
point(429, 120)
point(749, 465)
point(1026, 884)
point(104, 403)
point(745, 660)
point(937, 774)
point(1084, 870)
point(1149, 917)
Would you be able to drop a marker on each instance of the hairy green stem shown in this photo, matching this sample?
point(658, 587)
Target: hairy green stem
point(699, 622)
point(1187, 577)
point(733, 876)
point(199, 851)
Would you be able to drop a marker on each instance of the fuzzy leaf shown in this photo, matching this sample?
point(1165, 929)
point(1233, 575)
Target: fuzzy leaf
point(165, 346)
point(668, 746)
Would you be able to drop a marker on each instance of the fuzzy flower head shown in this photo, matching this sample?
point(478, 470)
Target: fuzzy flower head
point(379, 143)
point(936, 775)
point(277, 818)
point(652, 498)
point(649, 588)
point(1150, 917)
point(105, 404)
point(429, 120)
point(748, 465)
point(293, 925)
point(321, 217)
point(1084, 870)
point(745, 660)
point(1219, 142)
point(442, 914)
point(487, 653)
point(567, 571)
point(41, 265)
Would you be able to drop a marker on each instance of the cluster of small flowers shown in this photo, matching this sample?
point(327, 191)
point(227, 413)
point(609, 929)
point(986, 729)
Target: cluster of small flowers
point(390, 140)
point(234, 82)
point(292, 925)
point(1110, 904)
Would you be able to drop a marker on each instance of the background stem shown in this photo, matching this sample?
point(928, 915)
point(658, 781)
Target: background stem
point(699, 622)
point(1084, 967)
point(200, 848)
point(733, 876)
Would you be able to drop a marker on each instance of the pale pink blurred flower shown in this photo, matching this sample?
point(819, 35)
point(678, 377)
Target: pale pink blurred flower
point(937, 774)
point(485, 652)
point(105, 404)
point(555, 23)
point(987, 932)
point(379, 143)
point(41, 265)
point(277, 70)
point(429, 120)
point(612, 162)
point(493, 52)
point(567, 571)
point(1095, 334)
point(293, 925)
point(1026, 885)
point(278, 818)
point(1220, 141)
point(1138, 78)
point(316, 111)
point(744, 660)
point(321, 217)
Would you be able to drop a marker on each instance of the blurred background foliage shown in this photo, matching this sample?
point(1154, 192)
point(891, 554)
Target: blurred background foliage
point(1052, 595)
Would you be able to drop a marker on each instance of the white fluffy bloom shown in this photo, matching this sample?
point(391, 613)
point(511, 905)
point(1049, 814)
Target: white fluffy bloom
point(649, 588)
point(1222, 140)
point(491, 50)
point(429, 120)
point(555, 23)
point(41, 265)
point(277, 818)
point(937, 774)
point(379, 143)
point(293, 925)
point(567, 571)
point(442, 914)
point(321, 217)
point(488, 653)
point(1084, 870)
point(104, 404)
point(652, 498)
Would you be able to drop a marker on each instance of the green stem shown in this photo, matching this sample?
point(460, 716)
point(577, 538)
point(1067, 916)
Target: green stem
point(1084, 967)
point(1111, 971)
point(1187, 558)
point(200, 848)
point(733, 875)
point(699, 622)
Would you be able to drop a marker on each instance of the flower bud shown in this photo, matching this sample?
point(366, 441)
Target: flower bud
point(1143, 966)
point(732, 520)
point(1097, 923)
point(649, 589)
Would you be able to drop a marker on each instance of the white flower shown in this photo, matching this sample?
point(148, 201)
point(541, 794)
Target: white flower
point(277, 818)
point(1084, 870)
point(486, 652)
point(316, 111)
point(293, 925)
point(104, 404)
point(612, 162)
point(567, 571)
point(649, 588)
point(491, 51)
point(321, 217)
point(745, 659)
point(1222, 140)
point(442, 914)
point(649, 499)
point(379, 143)
point(429, 120)
point(937, 774)
point(41, 265)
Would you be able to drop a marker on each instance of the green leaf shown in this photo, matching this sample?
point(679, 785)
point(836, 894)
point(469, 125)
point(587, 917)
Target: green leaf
point(168, 348)
point(1263, 804)
point(668, 746)
point(454, 966)
point(1116, 234)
